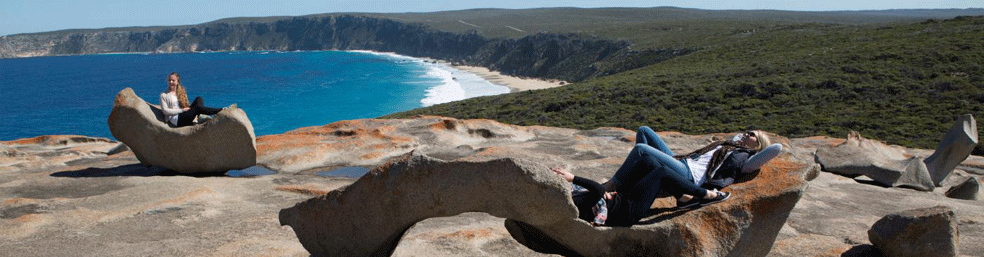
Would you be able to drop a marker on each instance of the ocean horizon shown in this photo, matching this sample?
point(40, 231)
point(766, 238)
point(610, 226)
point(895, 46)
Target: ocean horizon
point(279, 90)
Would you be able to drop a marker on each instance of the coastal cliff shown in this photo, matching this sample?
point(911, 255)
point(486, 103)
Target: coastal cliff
point(570, 57)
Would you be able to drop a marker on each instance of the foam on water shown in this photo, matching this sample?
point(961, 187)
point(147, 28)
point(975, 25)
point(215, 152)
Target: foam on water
point(457, 85)
point(454, 84)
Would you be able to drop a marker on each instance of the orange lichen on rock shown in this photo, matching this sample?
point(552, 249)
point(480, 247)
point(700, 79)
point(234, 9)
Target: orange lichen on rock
point(189, 195)
point(307, 190)
point(471, 234)
point(372, 155)
point(445, 124)
point(775, 176)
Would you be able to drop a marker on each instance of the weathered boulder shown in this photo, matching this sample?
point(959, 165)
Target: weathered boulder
point(920, 232)
point(955, 146)
point(746, 225)
point(885, 164)
point(370, 216)
point(970, 189)
point(222, 143)
point(370, 142)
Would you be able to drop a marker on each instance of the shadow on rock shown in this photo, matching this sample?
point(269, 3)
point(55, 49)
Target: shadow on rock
point(131, 170)
point(862, 251)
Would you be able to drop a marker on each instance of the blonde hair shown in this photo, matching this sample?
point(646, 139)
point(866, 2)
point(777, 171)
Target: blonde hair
point(763, 139)
point(180, 92)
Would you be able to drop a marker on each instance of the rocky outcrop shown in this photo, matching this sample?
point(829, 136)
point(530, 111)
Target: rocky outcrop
point(370, 142)
point(567, 57)
point(885, 164)
point(222, 143)
point(969, 189)
point(918, 233)
point(954, 148)
point(64, 192)
point(370, 216)
point(744, 226)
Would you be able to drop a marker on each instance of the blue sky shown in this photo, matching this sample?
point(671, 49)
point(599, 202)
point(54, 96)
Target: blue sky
point(25, 16)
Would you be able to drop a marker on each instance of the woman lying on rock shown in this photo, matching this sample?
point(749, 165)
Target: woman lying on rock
point(174, 104)
point(651, 169)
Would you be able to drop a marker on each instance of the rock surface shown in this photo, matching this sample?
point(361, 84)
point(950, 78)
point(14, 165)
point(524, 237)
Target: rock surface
point(970, 189)
point(954, 148)
point(885, 164)
point(917, 233)
point(225, 142)
point(370, 216)
point(65, 196)
point(743, 226)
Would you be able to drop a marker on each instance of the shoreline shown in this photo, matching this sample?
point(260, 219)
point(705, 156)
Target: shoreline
point(515, 84)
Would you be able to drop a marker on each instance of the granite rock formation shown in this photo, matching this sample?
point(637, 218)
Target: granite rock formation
point(969, 189)
point(745, 226)
point(63, 195)
point(917, 233)
point(225, 142)
point(887, 165)
point(371, 215)
point(954, 148)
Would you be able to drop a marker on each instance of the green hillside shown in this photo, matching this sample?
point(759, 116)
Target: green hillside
point(904, 83)
point(647, 28)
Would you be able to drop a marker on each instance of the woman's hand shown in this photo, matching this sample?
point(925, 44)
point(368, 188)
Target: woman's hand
point(564, 174)
point(608, 195)
point(185, 109)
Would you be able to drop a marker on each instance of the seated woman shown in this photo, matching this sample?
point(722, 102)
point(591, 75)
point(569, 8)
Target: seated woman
point(174, 104)
point(650, 169)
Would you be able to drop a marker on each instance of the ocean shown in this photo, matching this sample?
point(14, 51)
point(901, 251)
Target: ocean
point(279, 91)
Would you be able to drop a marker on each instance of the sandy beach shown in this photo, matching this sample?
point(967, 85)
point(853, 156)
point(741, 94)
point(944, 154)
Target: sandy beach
point(515, 84)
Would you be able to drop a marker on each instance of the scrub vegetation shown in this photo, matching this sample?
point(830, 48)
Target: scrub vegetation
point(899, 80)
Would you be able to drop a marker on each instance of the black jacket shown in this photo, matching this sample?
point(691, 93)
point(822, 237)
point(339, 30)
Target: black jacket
point(730, 170)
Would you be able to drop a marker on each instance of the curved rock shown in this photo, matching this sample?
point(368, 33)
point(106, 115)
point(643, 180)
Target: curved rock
point(370, 216)
point(885, 164)
point(225, 142)
point(954, 148)
point(746, 225)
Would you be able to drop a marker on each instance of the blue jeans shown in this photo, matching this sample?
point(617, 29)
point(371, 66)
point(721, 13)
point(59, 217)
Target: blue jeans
point(647, 136)
point(646, 172)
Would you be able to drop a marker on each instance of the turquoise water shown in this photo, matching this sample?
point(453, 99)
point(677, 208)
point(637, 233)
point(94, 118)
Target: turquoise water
point(279, 91)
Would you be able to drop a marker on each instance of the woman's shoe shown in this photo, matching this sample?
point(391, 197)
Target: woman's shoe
point(687, 204)
point(721, 196)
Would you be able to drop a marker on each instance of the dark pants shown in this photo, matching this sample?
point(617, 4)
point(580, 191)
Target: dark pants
point(645, 173)
point(197, 107)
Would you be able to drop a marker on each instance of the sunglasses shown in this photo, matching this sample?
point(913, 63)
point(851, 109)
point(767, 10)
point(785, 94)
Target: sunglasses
point(748, 134)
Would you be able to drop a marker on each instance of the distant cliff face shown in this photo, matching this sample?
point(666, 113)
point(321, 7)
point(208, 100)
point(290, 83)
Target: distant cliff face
point(566, 57)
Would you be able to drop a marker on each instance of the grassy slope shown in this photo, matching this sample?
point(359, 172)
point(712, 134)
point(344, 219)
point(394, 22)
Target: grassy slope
point(902, 83)
point(661, 27)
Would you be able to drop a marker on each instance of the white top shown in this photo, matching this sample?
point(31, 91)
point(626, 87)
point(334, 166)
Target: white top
point(170, 107)
point(698, 166)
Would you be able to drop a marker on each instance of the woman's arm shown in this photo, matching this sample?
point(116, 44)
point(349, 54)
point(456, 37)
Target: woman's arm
point(592, 186)
point(756, 161)
point(168, 107)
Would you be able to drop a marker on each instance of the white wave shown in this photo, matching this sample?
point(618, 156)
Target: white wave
point(455, 84)
point(449, 89)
